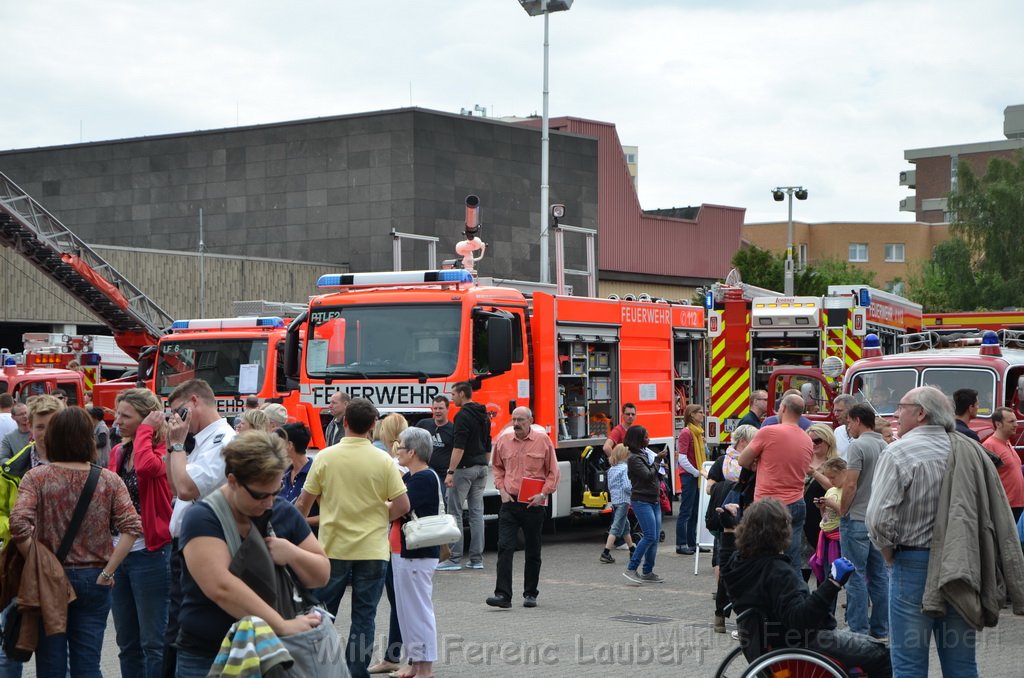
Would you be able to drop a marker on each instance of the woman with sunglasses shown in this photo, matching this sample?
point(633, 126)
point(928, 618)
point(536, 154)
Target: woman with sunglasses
point(816, 484)
point(214, 598)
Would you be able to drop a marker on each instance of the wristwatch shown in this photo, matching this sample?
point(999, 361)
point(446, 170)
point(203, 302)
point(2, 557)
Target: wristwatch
point(451, 472)
point(177, 447)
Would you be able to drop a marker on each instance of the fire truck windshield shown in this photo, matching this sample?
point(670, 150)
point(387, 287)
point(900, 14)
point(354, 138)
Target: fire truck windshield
point(395, 340)
point(883, 389)
point(217, 361)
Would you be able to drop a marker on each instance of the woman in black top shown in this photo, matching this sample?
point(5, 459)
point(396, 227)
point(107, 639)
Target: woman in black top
point(643, 475)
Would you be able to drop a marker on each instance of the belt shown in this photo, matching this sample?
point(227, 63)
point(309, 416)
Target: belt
point(912, 548)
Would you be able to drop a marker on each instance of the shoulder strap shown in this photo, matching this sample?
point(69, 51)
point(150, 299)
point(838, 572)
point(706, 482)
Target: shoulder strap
point(10, 461)
point(79, 515)
point(219, 503)
point(440, 494)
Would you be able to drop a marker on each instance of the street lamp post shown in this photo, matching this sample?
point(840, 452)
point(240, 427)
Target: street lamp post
point(534, 8)
point(779, 193)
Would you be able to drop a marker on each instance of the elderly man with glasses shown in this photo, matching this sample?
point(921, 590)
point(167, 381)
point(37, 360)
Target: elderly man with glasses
point(941, 520)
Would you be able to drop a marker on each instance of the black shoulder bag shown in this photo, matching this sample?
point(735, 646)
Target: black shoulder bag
point(12, 626)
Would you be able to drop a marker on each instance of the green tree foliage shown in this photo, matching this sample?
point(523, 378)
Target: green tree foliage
point(981, 266)
point(946, 282)
point(766, 269)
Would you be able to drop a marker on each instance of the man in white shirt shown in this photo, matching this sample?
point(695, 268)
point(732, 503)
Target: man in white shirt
point(841, 410)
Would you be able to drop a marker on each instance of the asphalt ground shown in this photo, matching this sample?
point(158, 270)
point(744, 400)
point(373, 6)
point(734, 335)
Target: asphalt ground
point(591, 620)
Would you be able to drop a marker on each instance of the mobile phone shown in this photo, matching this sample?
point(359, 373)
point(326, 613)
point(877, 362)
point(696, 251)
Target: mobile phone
point(182, 412)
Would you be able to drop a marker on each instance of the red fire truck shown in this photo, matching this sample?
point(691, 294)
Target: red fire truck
point(990, 363)
point(41, 373)
point(400, 338)
point(976, 321)
point(764, 340)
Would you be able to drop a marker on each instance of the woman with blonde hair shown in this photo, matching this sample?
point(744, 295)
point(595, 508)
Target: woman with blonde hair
point(252, 420)
point(142, 592)
point(823, 442)
point(691, 457)
point(387, 431)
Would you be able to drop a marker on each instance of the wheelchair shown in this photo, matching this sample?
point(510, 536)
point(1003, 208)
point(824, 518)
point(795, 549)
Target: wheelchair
point(754, 659)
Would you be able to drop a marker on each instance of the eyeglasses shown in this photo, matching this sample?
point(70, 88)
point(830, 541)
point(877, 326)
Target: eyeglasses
point(259, 496)
point(816, 441)
point(60, 397)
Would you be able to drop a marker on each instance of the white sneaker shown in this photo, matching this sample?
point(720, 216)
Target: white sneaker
point(622, 547)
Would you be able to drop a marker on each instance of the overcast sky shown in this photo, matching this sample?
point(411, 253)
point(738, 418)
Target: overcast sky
point(725, 98)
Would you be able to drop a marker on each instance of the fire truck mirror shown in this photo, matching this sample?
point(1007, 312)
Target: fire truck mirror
point(291, 347)
point(1020, 393)
point(499, 345)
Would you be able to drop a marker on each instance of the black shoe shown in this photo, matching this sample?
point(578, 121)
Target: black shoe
point(684, 551)
point(500, 601)
point(529, 601)
point(704, 549)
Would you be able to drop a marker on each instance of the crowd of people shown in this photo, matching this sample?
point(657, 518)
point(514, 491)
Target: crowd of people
point(192, 525)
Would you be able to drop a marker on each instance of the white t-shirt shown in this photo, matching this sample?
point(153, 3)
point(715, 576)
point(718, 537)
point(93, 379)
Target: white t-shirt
point(842, 440)
point(7, 424)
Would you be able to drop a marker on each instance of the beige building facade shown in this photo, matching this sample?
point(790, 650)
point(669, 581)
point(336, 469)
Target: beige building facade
point(892, 251)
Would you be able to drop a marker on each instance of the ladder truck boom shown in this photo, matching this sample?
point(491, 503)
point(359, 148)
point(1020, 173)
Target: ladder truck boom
point(29, 229)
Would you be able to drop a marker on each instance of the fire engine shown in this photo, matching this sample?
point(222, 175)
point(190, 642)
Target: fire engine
point(976, 321)
point(41, 373)
point(401, 338)
point(763, 340)
point(989, 362)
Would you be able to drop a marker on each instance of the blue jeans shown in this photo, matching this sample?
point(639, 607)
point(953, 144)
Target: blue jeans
point(649, 517)
point(468, 486)
point(83, 641)
point(910, 631)
point(8, 668)
point(190, 665)
point(140, 600)
point(797, 516)
point(686, 523)
point(367, 580)
point(869, 583)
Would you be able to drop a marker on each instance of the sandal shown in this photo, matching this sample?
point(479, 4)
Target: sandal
point(401, 673)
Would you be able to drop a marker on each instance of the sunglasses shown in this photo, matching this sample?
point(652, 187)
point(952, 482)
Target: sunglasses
point(259, 496)
point(816, 441)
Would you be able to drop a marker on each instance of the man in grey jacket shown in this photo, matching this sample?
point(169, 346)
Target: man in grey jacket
point(904, 515)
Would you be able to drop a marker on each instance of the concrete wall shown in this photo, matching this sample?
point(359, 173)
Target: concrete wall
point(329, 189)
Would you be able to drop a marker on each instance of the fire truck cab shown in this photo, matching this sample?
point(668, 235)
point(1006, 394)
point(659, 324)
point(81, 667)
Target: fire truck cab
point(992, 364)
point(764, 340)
point(401, 338)
point(39, 374)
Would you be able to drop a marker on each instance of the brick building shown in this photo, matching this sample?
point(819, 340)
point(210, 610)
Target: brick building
point(889, 250)
point(934, 173)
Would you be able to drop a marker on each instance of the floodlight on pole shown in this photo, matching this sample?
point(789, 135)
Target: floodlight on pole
point(535, 8)
point(779, 193)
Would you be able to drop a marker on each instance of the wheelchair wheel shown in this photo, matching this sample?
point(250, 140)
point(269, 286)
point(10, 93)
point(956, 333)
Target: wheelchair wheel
point(734, 665)
point(794, 663)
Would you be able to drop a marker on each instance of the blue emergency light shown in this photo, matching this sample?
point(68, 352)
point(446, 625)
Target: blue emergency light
point(455, 275)
point(709, 300)
point(227, 323)
point(864, 295)
point(990, 343)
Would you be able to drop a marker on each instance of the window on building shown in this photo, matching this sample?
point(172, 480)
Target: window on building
point(858, 251)
point(895, 286)
point(953, 161)
point(631, 158)
point(894, 252)
point(801, 256)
